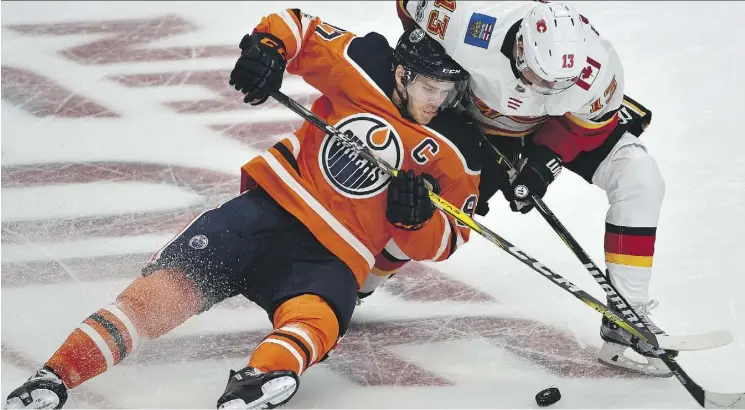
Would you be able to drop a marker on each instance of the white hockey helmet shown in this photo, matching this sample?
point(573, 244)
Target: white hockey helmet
point(551, 47)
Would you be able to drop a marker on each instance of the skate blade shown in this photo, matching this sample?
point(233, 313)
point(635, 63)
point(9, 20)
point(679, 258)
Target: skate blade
point(612, 355)
point(276, 393)
point(42, 399)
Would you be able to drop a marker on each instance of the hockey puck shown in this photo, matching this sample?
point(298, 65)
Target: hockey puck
point(548, 397)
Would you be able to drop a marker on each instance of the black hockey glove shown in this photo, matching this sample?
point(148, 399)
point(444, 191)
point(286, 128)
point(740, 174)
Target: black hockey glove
point(409, 206)
point(540, 166)
point(494, 178)
point(260, 67)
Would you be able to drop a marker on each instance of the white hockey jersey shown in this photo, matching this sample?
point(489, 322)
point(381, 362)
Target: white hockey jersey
point(480, 36)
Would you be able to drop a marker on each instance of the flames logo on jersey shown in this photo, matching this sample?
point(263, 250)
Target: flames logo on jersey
point(350, 174)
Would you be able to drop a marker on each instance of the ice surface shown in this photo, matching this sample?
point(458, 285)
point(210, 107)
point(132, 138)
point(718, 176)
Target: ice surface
point(118, 127)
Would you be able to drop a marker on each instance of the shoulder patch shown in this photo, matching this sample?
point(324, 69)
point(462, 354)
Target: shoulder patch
point(480, 29)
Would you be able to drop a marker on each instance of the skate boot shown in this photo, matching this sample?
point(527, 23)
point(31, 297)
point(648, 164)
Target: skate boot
point(616, 341)
point(44, 390)
point(249, 388)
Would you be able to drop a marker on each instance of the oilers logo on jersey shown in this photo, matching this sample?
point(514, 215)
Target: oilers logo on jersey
point(349, 173)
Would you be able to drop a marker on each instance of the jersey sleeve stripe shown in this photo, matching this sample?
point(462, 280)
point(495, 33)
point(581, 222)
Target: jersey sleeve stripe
point(386, 254)
point(395, 251)
point(383, 271)
point(461, 240)
point(294, 26)
point(627, 102)
point(294, 144)
point(455, 238)
point(588, 124)
point(445, 240)
point(305, 23)
point(287, 155)
point(319, 210)
point(402, 8)
point(385, 263)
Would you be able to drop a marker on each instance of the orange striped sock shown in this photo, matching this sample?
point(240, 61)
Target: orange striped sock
point(306, 328)
point(104, 339)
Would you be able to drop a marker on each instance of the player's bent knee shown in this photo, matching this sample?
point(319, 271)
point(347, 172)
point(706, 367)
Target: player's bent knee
point(311, 320)
point(643, 180)
point(157, 303)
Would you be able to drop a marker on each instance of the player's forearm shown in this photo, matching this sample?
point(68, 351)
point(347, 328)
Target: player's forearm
point(431, 242)
point(287, 26)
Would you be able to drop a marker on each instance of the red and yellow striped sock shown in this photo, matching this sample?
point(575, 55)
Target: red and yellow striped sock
point(629, 246)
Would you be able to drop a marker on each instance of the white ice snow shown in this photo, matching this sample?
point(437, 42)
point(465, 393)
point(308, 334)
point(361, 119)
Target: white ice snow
point(682, 60)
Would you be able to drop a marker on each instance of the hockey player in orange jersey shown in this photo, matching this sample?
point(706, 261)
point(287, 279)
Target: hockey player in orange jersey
point(302, 236)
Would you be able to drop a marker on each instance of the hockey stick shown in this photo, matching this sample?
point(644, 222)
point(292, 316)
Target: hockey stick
point(705, 398)
point(702, 341)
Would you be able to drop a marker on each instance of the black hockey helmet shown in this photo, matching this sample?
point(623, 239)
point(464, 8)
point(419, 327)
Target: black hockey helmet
point(421, 55)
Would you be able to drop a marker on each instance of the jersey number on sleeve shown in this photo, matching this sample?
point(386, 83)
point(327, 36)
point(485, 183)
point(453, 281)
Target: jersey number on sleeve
point(328, 32)
point(436, 26)
point(448, 5)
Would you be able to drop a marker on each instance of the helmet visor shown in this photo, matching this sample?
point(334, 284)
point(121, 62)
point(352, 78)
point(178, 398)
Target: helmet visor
point(437, 94)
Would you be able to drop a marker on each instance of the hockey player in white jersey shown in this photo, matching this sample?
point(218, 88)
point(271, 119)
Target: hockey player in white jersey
point(548, 90)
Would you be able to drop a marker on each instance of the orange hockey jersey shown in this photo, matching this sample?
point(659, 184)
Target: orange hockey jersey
point(340, 197)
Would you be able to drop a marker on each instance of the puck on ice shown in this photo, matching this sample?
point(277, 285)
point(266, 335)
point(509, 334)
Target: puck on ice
point(547, 397)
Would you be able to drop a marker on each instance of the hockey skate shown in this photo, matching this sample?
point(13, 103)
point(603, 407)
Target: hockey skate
point(44, 390)
point(249, 388)
point(616, 341)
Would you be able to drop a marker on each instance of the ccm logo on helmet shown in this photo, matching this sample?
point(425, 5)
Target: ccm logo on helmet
point(450, 71)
